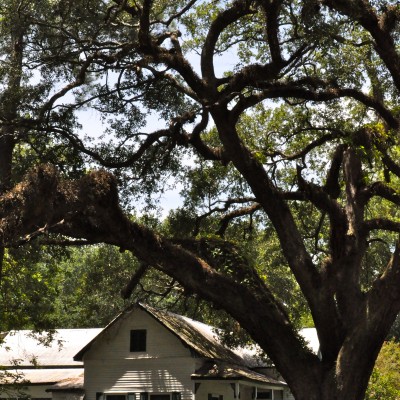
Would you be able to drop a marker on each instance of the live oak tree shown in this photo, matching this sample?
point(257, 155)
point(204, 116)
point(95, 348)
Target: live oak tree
point(32, 53)
point(295, 101)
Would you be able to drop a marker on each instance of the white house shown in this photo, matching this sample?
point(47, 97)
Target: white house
point(30, 363)
point(143, 354)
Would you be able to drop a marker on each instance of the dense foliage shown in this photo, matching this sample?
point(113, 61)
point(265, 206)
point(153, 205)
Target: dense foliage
point(385, 380)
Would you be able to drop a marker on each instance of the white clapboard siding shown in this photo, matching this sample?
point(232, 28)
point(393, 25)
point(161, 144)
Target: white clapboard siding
point(287, 395)
point(165, 367)
point(153, 376)
point(66, 396)
point(114, 344)
point(215, 388)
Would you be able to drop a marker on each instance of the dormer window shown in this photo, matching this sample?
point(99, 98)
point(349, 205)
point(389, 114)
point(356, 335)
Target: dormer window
point(138, 340)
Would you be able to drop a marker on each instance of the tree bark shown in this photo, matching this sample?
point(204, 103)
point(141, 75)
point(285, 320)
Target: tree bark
point(89, 209)
point(9, 110)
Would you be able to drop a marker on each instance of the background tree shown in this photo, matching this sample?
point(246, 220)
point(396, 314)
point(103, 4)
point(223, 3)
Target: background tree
point(300, 132)
point(384, 382)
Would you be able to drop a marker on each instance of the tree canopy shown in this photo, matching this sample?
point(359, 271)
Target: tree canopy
point(278, 118)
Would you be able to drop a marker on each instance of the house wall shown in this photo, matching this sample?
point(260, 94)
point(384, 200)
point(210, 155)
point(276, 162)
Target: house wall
point(216, 388)
point(287, 395)
point(223, 388)
point(67, 396)
point(31, 391)
point(165, 367)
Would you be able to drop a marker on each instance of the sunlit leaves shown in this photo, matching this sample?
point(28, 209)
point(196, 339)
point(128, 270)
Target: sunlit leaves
point(384, 382)
point(28, 288)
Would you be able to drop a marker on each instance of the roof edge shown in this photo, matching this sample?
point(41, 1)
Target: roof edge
point(148, 309)
point(79, 356)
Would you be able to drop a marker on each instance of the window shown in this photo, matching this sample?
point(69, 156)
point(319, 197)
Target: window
point(138, 341)
point(116, 397)
point(160, 397)
point(120, 396)
point(264, 395)
point(212, 396)
point(139, 396)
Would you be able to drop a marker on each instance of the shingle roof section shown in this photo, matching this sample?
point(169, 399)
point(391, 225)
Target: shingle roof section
point(68, 385)
point(201, 338)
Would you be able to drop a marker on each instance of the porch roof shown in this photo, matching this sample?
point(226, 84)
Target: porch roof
point(74, 384)
point(224, 371)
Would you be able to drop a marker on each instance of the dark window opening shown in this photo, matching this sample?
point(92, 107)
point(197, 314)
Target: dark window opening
point(116, 397)
point(212, 396)
point(160, 397)
point(264, 395)
point(138, 340)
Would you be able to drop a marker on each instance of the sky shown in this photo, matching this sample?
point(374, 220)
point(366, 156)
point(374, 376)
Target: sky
point(93, 126)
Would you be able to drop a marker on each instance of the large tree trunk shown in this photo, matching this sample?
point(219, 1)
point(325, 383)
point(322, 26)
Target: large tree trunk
point(89, 209)
point(6, 153)
point(10, 101)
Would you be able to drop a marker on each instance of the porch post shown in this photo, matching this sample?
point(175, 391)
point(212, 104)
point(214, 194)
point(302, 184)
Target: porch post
point(236, 390)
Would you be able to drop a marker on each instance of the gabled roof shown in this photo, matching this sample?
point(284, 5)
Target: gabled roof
point(199, 337)
point(25, 349)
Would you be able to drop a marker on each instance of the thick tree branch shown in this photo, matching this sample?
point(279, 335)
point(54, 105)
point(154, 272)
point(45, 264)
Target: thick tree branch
point(272, 10)
point(383, 299)
point(348, 247)
point(215, 209)
point(382, 190)
point(381, 224)
point(148, 47)
point(387, 160)
point(301, 154)
point(89, 208)
point(240, 212)
point(390, 277)
point(318, 196)
point(134, 281)
point(239, 9)
point(208, 152)
point(271, 199)
point(379, 27)
point(300, 90)
point(332, 184)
